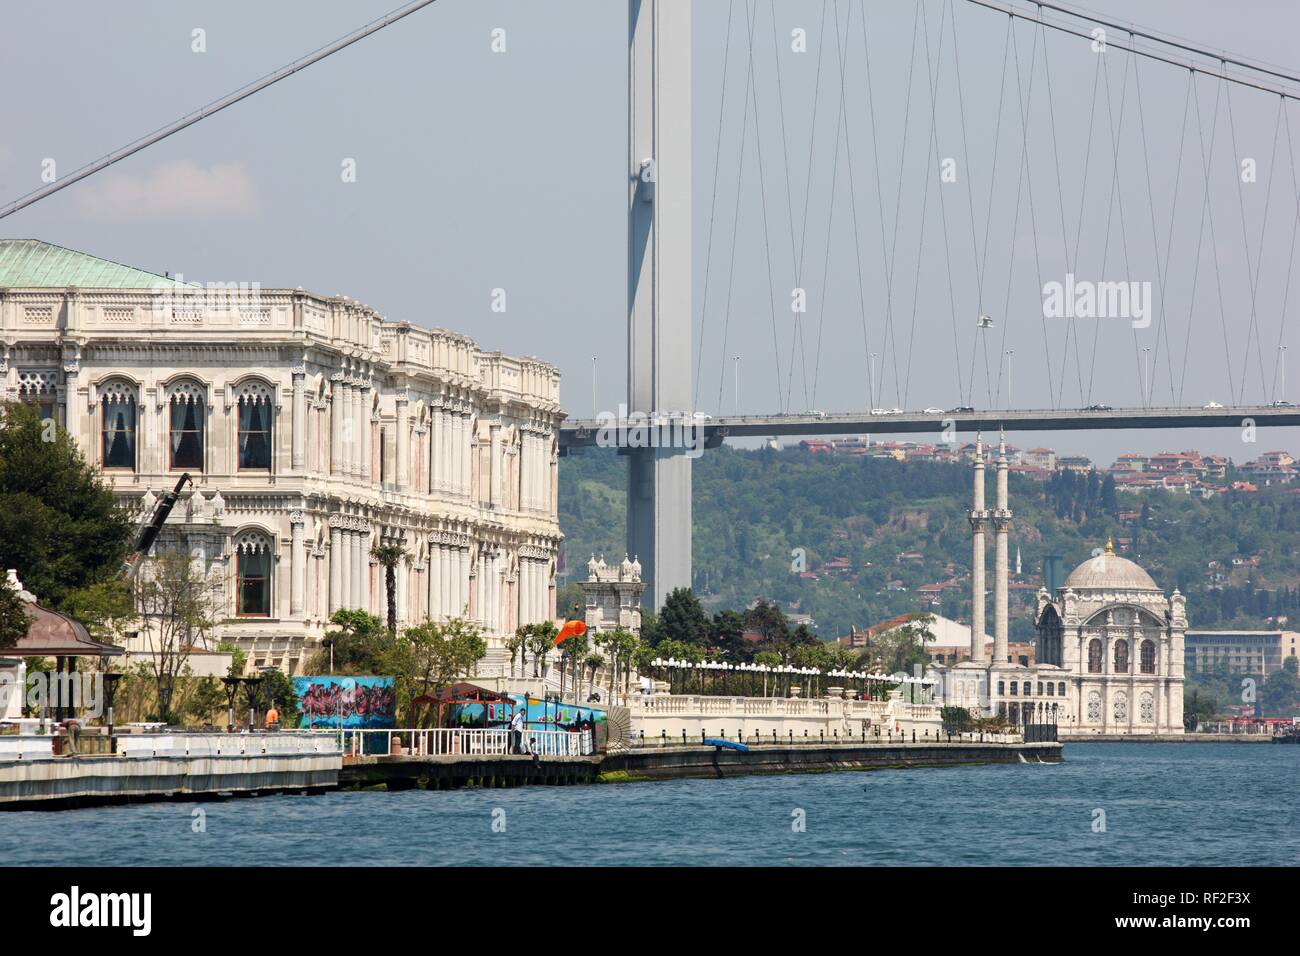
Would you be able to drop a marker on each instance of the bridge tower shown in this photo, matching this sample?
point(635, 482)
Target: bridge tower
point(659, 284)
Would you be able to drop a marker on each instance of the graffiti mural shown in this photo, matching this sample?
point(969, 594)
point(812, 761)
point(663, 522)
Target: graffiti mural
point(356, 702)
point(539, 714)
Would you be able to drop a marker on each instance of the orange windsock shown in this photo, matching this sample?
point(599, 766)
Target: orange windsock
point(570, 629)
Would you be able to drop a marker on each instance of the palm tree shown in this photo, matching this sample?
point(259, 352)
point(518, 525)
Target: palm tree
point(517, 644)
point(594, 662)
point(389, 555)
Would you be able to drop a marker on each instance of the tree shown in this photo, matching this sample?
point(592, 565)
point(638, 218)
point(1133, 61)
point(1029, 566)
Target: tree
point(1280, 693)
point(178, 608)
point(540, 642)
point(60, 526)
point(517, 645)
point(683, 619)
point(209, 697)
point(277, 689)
point(901, 648)
point(433, 655)
point(622, 647)
point(727, 634)
point(770, 622)
point(1197, 707)
point(389, 555)
point(13, 616)
point(358, 642)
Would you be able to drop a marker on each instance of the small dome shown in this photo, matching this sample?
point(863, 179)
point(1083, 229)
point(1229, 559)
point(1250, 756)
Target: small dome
point(1111, 572)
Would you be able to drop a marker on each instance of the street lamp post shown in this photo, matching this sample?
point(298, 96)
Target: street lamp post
point(232, 688)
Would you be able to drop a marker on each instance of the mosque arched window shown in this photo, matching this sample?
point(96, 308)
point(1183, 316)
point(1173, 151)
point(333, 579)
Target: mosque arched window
point(186, 402)
point(1148, 658)
point(1060, 689)
point(1121, 656)
point(1051, 689)
point(253, 562)
point(117, 428)
point(1094, 656)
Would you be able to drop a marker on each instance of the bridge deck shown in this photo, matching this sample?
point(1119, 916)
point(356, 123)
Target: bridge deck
point(581, 432)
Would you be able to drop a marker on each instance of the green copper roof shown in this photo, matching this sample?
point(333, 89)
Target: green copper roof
point(32, 264)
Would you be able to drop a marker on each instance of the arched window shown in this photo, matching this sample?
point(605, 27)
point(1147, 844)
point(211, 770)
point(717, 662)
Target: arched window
point(187, 407)
point(1148, 659)
point(1051, 689)
point(1094, 656)
point(1121, 656)
point(255, 412)
point(1060, 689)
point(117, 406)
point(1001, 688)
point(1013, 688)
point(253, 561)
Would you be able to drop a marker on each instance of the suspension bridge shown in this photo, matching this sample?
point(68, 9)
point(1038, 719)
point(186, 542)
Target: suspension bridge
point(898, 200)
point(1120, 201)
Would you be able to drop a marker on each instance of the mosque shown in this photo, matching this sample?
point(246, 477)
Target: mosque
point(1108, 645)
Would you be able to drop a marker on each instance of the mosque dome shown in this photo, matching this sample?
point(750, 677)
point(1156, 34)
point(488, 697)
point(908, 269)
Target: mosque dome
point(1110, 572)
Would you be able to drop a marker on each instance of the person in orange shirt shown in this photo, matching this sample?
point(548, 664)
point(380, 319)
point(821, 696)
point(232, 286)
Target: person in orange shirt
point(272, 718)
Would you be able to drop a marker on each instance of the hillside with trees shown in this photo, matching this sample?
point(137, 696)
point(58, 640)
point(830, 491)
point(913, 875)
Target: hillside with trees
point(849, 540)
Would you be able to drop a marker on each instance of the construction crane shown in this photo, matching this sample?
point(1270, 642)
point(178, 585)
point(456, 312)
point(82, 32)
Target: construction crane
point(149, 533)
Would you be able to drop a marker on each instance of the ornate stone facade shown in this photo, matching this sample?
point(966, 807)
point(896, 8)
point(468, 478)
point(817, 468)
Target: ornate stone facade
point(613, 595)
point(1108, 656)
point(314, 429)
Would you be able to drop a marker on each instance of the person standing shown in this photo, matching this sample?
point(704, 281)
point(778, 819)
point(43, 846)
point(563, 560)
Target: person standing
point(517, 732)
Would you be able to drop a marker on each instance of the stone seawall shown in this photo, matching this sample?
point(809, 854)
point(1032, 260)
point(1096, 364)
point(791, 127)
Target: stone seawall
point(698, 761)
point(675, 760)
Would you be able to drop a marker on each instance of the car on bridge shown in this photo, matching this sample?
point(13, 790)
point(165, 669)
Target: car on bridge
point(1098, 408)
point(965, 409)
point(1281, 404)
point(1212, 405)
point(932, 411)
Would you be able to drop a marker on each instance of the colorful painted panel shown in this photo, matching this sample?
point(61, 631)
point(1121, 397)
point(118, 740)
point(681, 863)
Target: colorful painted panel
point(356, 702)
point(539, 714)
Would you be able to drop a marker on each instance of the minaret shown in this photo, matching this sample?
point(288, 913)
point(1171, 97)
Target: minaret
point(1001, 525)
point(978, 516)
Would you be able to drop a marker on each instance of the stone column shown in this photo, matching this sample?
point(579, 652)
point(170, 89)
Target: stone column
point(458, 455)
point(462, 581)
point(336, 568)
point(1001, 584)
point(298, 566)
point(497, 463)
point(338, 411)
point(367, 426)
point(402, 572)
point(298, 456)
point(450, 593)
point(403, 445)
point(468, 428)
point(354, 446)
point(978, 516)
point(439, 454)
point(345, 569)
point(358, 572)
point(435, 580)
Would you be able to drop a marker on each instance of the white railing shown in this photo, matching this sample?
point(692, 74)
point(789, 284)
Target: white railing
point(25, 746)
point(453, 741)
point(30, 746)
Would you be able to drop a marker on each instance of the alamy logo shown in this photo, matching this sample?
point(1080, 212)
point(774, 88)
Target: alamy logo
point(46, 691)
point(639, 430)
point(73, 909)
point(1085, 299)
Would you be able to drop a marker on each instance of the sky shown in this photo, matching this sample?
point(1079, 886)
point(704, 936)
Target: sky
point(478, 170)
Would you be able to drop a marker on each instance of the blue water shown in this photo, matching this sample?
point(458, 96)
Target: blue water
point(1175, 804)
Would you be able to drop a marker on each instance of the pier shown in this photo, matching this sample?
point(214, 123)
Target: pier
point(164, 766)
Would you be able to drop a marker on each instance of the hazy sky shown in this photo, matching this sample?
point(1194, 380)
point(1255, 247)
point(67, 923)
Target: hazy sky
point(478, 170)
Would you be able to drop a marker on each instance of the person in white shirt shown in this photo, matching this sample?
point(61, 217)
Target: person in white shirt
point(517, 732)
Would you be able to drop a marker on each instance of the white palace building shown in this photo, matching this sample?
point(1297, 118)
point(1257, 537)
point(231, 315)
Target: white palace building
point(314, 429)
